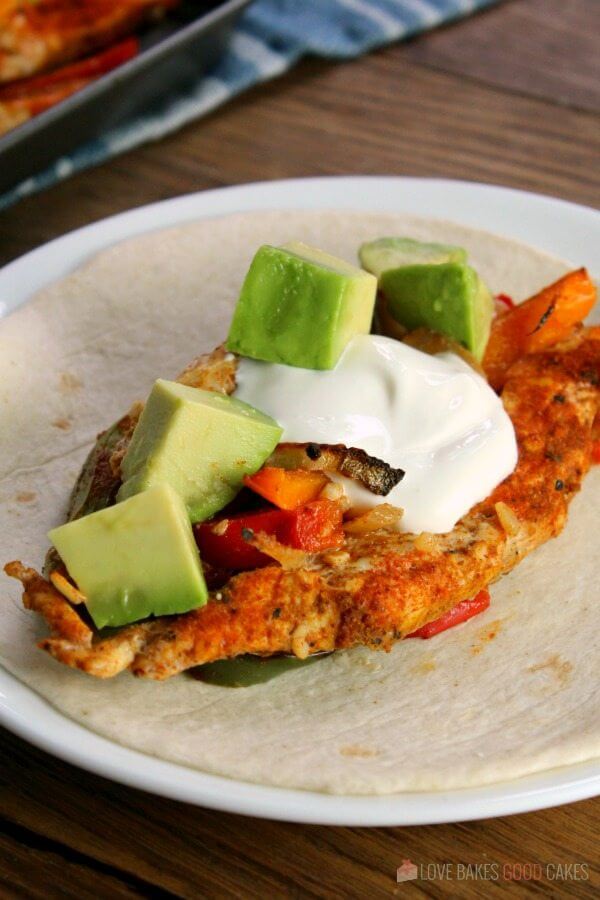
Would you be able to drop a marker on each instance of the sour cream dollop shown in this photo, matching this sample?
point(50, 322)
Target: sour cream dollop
point(432, 416)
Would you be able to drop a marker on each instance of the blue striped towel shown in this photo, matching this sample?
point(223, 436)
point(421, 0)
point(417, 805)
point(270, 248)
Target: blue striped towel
point(270, 37)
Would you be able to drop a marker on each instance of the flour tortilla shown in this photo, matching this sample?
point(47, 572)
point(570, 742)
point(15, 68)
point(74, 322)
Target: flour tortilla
point(512, 692)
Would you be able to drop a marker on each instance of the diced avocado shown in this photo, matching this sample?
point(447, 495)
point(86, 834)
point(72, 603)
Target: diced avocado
point(449, 297)
point(393, 252)
point(301, 307)
point(135, 559)
point(200, 442)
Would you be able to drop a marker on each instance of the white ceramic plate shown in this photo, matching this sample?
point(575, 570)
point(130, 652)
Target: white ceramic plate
point(562, 229)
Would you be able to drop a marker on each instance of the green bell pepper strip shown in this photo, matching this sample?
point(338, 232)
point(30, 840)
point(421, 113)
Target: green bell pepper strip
point(244, 671)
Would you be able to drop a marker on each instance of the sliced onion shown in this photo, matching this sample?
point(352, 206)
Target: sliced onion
point(425, 542)
point(67, 588)
point(508, 518)
point(212, 372)
point(380, 517)
point(287, 557)
point(433, 342)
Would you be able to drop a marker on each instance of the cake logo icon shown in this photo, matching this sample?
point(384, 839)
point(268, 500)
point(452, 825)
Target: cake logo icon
point(407, 871)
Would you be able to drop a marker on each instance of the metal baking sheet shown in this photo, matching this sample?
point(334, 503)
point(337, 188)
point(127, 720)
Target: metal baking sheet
point(172, 53)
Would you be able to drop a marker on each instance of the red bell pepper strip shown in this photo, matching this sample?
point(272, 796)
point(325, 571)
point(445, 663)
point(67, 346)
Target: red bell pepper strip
point(316, 526)
point(225, 543)
point(506, 301)
point(463, 611)
point(85, 69)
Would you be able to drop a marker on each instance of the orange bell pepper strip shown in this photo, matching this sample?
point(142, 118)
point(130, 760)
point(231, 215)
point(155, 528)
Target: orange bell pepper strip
point(286, 488)
point(538, 323)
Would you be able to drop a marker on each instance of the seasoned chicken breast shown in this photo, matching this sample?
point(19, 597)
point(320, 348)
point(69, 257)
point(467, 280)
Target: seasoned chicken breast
point(379, 587)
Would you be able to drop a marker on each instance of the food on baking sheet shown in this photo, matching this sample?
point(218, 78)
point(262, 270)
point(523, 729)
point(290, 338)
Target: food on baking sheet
point(49, 49)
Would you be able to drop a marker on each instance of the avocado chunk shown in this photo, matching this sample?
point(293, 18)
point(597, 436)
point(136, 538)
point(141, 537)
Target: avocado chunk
point(393, 252)
point(301, 307)
point(449, 298)
point(430, 285)
point(200, 442)
point(135, 559)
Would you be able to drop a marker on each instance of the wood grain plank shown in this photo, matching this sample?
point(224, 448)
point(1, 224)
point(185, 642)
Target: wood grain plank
point(33, 868)
point(541, 48)
point(382, 114)
point(192, 852)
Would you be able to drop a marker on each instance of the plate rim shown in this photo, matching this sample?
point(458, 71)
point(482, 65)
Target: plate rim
point(566, 225)
point(172, 780)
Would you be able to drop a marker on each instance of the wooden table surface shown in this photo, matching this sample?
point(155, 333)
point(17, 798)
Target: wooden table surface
point(509, 96)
